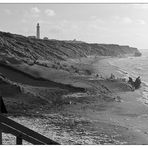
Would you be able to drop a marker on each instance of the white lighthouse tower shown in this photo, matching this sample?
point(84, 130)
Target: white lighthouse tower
point(38, 31)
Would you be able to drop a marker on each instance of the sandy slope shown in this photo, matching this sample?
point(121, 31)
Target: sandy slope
point(94, 117)
point(92, 120)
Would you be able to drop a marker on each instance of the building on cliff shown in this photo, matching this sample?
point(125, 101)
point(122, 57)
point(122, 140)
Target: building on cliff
point(38, 31)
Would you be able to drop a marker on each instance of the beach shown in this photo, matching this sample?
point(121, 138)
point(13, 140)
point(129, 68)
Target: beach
point(110, 114)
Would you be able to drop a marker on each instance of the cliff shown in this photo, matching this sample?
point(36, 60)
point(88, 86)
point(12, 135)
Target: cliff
point(54, 50)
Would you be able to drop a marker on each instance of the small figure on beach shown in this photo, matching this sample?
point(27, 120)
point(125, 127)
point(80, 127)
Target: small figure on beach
point(130, 81)
point(137, 82)
point(97, 75)
point(112, 77)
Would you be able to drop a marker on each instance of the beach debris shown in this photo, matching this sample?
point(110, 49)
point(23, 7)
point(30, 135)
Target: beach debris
point(76, 95)
point(117, 99)
point(123, 79)
point(135, 84)
point(97, 75)
point(112, 77)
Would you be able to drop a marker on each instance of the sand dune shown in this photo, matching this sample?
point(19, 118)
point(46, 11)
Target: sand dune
point(24, 78)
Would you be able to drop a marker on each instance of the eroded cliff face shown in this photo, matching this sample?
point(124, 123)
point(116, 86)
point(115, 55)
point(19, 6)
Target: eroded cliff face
point(54, 50)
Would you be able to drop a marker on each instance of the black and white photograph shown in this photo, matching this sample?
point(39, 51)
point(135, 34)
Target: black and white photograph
point(74, 73)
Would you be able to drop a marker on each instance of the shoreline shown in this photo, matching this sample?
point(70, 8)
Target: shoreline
point(144, 87)
point(137, 109)
point(93, 118)
point(141, 109)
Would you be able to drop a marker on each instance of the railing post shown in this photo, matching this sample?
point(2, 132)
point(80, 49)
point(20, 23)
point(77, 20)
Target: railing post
point(2, 106)
point(19, 140)
point(1, 137)
point(22, 133)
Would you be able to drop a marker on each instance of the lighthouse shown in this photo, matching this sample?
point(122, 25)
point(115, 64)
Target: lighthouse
point(38, 31)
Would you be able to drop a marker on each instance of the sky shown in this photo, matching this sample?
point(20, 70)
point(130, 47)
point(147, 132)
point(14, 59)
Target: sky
point(124, 24)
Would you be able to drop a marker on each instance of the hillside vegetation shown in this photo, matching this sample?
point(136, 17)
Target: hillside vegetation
point(22, 47)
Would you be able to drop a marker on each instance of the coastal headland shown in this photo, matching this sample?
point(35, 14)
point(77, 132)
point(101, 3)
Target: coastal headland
point(63, 90)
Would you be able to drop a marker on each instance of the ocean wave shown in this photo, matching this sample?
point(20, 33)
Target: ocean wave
point(145, 95)
point(123, 71)
point(145, 92)
point(127, 74)
point(146, 85)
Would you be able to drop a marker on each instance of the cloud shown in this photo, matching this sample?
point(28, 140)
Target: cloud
point(122, 20)
point(31, 14)
point(97, 23)
point(126, 20)
point(50, 12)
point(141, 22)
point(37, 14)
point(35, 10)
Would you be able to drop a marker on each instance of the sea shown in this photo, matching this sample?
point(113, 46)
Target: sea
point(134, 67)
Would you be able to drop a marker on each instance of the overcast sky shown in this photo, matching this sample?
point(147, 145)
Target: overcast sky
point(124, 24)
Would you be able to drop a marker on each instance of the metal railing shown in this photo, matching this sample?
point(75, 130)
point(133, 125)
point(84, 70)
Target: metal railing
point(22, 133)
